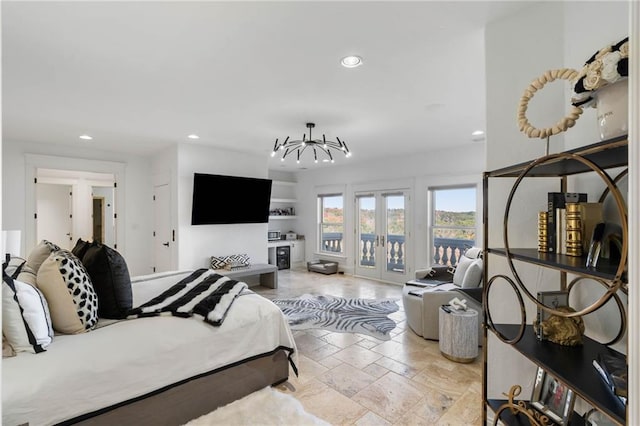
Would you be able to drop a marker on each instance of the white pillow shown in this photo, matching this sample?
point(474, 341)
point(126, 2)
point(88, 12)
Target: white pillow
point(26, 322)
point(473, 276)
point(461, 270)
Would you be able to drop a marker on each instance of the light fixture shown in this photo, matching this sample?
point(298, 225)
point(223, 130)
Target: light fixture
point(477, 133)
point(351, 61)
point(85, 137)
point(192, 136)
point(319, 147)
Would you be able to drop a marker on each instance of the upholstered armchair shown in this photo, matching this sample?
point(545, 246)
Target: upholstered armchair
point(421, 303)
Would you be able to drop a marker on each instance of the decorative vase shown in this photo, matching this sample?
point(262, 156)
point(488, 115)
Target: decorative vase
point(613, 109)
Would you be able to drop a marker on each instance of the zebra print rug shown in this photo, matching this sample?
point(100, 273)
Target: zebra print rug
point(364, 316)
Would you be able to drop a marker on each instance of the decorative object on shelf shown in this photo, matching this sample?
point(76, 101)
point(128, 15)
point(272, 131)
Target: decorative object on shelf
point(573, 240)
point(537, 84)
point(591, 215)
point(556, 218)
point(457, 304)
point(603, 81)
point(543, 243)
point(566, 331)
point(315, 145)
point(552, 398)
point(614, 372)
point(535, 417)
point(551, 299)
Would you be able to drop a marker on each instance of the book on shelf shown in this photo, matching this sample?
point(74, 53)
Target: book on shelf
point(556, 201)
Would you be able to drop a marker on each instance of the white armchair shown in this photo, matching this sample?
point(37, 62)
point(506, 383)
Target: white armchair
point(421, 303)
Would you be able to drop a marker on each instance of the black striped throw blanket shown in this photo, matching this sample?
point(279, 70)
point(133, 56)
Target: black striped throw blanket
point(203, 293)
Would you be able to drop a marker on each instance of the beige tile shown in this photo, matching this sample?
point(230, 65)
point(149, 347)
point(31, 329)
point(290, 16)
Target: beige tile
point(454, 382)
point(329, 404)
point(467, 410)
point(317, 332)
point(357, 356)
point(412, 419)
point(390, 397)
point(367, 344)
point(434, 405)
point(330, 362)
point(397, 367)
point(371, 419)
point(307, 370)
point(307, 343)
point(346, 380)
point(323, 351)
point(375, 370)
point(342, 340)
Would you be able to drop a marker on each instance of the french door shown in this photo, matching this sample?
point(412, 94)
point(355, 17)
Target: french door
point(382, 236)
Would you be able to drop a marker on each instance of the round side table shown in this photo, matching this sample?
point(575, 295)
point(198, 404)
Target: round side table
point(458, 333)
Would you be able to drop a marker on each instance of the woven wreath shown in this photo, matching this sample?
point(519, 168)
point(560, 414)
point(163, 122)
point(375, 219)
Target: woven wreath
point(537, 84)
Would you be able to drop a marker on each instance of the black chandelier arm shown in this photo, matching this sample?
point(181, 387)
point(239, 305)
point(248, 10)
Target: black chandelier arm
point(299, 146)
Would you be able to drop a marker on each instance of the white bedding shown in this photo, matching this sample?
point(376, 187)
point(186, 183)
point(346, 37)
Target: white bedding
point(122, 360)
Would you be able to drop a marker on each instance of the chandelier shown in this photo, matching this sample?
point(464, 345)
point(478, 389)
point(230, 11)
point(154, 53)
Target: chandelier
point(320, 147)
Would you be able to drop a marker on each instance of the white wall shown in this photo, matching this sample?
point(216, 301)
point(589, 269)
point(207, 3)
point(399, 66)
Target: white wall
point(196, 244)
point(136, 242)
point(445, 167)
point(518, 51)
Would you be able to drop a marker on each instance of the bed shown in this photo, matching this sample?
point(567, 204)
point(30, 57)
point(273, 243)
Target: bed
point(158, 370)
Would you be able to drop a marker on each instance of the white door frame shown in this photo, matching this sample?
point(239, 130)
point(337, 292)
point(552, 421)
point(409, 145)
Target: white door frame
point(380, 271)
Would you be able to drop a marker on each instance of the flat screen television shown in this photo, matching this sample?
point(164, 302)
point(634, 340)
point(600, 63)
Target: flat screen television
point(219, 199)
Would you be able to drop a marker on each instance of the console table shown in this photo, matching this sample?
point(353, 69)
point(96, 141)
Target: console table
point(268, 274)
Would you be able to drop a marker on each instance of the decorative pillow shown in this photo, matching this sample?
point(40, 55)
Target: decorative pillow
point(461, 269)
point(80, 248)
point(234, 259)
point(27, 275)
point(26, 322)
point(14, 266)
point(66, 284)
point(111, 281)
point(40, 253)
point(473, 276)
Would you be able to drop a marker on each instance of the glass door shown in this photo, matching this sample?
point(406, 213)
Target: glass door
point(382, 235)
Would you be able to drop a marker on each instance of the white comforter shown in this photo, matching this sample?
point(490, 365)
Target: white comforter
point(83, 373)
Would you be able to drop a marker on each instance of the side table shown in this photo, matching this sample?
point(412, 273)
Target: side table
point(458, 334)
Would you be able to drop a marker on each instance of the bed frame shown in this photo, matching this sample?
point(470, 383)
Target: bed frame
point(193, 397)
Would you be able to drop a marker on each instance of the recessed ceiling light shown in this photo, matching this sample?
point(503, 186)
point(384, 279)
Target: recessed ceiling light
point(85, 137)
point(192, 136)
point(477, 133)
point(351, 61)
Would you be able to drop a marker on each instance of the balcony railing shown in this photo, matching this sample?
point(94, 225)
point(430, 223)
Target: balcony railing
point(446, 251)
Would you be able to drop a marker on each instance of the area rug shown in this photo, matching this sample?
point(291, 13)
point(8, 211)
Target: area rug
point(365, 316)
point(264, 407)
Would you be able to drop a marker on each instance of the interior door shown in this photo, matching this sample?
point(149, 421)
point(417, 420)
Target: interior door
point(163, 240)
point(53, 214)
point(382, 237)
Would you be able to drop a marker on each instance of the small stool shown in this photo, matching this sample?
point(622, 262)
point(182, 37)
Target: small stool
point(458, 334)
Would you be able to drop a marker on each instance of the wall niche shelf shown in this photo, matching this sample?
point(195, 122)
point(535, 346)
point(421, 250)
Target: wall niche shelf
point(282, 197)
point(570, 365)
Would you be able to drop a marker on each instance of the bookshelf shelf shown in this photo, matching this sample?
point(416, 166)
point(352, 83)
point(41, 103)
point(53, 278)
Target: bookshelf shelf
point(571, 365)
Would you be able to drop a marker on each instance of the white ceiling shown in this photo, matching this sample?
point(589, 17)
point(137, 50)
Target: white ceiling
point(140, 76)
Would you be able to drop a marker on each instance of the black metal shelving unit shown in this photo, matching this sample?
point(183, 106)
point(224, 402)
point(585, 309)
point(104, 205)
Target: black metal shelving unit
point(571, 365)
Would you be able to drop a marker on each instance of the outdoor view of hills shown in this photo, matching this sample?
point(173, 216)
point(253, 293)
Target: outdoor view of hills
point(397, 227)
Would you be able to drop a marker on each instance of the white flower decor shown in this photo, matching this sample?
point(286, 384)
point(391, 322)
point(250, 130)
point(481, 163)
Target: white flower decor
point(608, 65)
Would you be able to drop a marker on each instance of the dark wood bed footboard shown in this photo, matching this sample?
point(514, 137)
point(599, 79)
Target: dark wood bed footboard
point(196, 396)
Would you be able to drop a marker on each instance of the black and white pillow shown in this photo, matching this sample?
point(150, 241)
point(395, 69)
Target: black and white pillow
point(26, 322)
point(67, 286)
point(234, 259)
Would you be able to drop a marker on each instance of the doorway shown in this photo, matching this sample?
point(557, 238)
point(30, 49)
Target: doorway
point(162, 233)
point(382, 235)
point(98, 219)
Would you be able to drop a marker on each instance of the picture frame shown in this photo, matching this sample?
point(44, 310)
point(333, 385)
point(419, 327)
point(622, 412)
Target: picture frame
point(552, 398)
point(552, 299)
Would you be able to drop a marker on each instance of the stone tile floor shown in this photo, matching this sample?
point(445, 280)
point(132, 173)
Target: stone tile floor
point(354, 379)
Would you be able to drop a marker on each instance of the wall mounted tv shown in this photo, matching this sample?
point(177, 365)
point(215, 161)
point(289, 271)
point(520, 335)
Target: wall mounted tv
point(219, 199)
